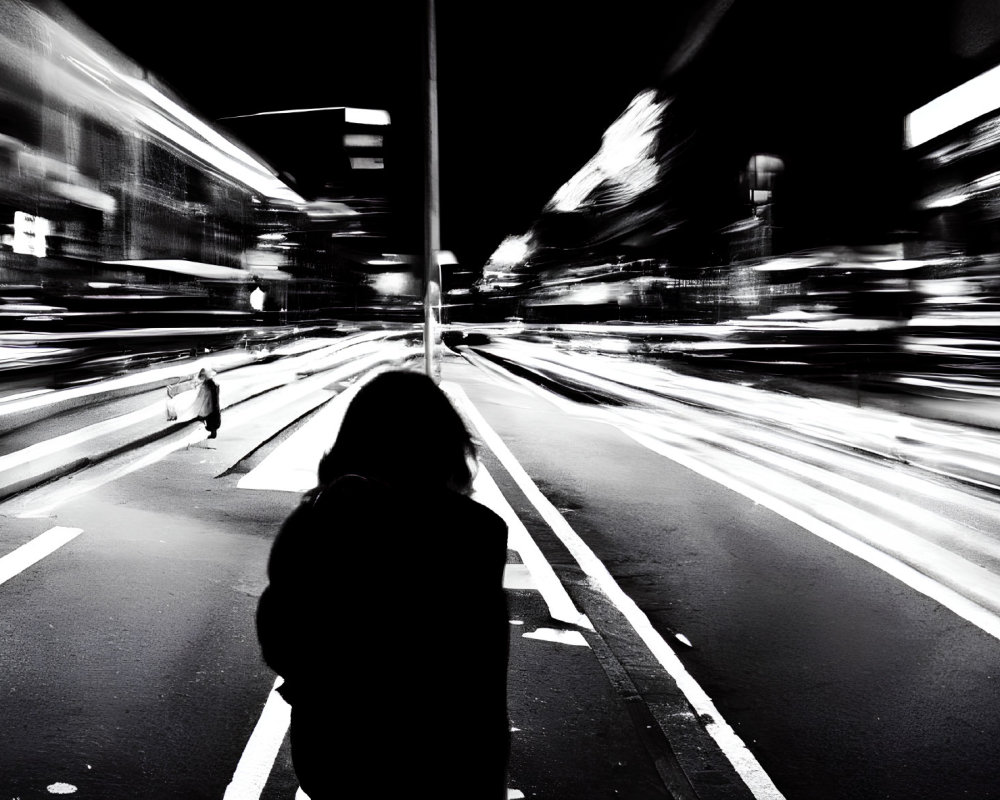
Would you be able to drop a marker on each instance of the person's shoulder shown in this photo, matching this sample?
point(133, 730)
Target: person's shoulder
point(475, 511)
point(346, 488)
point(355, 495)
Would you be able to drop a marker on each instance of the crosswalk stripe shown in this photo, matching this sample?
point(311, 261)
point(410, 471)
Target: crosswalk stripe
point(261, 750)
point(34, 551)
point(291, 466)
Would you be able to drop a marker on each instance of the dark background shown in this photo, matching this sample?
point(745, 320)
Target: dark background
point(525, 89)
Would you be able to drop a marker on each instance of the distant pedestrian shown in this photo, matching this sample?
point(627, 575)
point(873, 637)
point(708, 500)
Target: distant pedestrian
point(385, 612)
point(206, 404)
point(203, 405)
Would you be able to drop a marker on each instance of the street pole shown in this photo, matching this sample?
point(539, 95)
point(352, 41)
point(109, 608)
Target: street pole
point(432, 234)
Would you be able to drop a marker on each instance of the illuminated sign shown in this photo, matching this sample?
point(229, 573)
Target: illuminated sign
point(30, 233)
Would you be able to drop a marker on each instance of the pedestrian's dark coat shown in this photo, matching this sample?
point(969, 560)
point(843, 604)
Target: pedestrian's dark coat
point(385, 612)
point(386, 617)
point(207, 405)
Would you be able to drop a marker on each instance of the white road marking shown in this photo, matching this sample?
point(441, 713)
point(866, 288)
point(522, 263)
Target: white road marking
point(518, 576)
point(42, 501)
point(23, 395)
point(95, 480)
point(498, 375)
point(34, 551)
point(261, 750)
point(291, 467)
point(560, 605)
point(555, 635)
point(67, 440)
point(753, 775)
point(915, 579)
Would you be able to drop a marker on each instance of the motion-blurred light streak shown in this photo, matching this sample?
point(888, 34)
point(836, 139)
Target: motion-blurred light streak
point(626, 160)
point(964, 103)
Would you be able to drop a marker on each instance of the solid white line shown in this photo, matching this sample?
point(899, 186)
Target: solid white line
point(22, 395)
point(499, 376)
point(34, 551)
point(968, 609)
point(258, 757)
point(753, 775)
point(574, 638)
point(554, 594)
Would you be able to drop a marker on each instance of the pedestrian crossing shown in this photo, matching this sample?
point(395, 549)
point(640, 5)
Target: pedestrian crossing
point(291, 467)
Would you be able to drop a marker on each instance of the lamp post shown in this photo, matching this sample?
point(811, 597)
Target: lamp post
point(432, 234)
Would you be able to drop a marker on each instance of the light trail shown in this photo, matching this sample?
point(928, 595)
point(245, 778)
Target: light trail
point(949, 561)
point(966, 608)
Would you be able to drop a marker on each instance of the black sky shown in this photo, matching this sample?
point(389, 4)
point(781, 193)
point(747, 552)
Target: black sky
point(527, 87)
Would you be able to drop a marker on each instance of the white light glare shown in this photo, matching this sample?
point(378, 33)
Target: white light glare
point(626, 159)
point(358, 116)
point(512, 250)
point(215, 149)
point(960, 105)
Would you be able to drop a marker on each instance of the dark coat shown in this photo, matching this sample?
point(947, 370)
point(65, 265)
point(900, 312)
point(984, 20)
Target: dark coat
point(211, 410)
point(385, 615)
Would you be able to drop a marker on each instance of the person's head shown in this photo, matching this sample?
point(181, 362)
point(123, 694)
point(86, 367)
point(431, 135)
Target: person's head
point(401, 428)
point(205, 373)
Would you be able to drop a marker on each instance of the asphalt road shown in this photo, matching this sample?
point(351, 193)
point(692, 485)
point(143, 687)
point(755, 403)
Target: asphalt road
point(844, 682)
point(129, 665)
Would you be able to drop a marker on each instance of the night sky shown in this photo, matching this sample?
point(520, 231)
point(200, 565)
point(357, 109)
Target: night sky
point(525, 89)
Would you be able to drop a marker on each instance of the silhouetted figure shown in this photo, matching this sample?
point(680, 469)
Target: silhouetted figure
point(207, 408)
point(385, 612)
point(204, 407)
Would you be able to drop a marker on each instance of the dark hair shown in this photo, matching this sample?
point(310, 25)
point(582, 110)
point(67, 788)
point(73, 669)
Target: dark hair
point(402, 429)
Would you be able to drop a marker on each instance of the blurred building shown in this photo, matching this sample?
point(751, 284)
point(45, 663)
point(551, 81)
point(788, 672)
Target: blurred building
point(778, 128)
point(103, 172)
